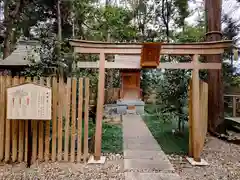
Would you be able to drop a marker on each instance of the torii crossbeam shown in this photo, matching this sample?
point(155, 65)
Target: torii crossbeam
point(192, 49)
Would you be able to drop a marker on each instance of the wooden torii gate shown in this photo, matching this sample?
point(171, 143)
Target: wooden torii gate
point(192, 49)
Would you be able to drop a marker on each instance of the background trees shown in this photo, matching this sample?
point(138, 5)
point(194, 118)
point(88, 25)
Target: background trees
point(53, 22)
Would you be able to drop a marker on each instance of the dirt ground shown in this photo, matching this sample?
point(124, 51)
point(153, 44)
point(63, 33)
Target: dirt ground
point(223, 159)
point(111, 170)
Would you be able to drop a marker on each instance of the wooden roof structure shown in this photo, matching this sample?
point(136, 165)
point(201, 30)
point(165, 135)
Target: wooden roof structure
point(192, 49)
point(201, 48)
point(134, 50)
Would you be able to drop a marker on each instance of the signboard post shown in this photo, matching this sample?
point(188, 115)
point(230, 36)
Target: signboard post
point(29, 101)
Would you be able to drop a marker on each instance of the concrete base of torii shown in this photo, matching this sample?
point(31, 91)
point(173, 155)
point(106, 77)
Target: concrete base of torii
point(93, 161)
point(195, 163)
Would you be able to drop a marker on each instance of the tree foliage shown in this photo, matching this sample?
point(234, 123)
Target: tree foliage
point(143, 20)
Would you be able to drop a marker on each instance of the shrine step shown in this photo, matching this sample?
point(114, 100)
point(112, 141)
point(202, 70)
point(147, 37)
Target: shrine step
point(130, 107)
point(131, 112)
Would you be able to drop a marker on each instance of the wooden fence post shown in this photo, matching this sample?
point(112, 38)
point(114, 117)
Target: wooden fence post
point(234, 106)
point(80, 106)
point(35, 132)
point(86, 109)
point(47, 131)
point(8, 126)
point(73, 122)
point(2, 116)
point(40, 132)
point(67, 120)
point(203, 114)
point(21, 132)
point(54, 118)
point(60, 114)
point(14, 124)
point(27, 123)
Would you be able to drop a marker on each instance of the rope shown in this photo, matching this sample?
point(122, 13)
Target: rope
point(213, 32)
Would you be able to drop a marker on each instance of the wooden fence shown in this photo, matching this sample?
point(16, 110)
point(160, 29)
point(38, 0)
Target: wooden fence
point(203, 123)
point(234, 104)
point(111, 95)
point(64, 138)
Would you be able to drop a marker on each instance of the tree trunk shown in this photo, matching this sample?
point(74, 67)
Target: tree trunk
point(6, 43)
point(215, 82)
point(109, 57)
point(11, 17)
point(59, 20)
point(8, 33)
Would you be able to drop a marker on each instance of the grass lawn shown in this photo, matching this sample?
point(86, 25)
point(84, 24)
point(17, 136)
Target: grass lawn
point(112, 138)
point(162, 132)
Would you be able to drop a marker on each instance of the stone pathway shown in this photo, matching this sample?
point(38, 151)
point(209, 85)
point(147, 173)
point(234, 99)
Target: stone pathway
point(143, 157)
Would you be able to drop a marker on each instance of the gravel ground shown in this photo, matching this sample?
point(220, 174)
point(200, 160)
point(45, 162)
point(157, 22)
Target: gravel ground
point(223, 159)
point(111, 170)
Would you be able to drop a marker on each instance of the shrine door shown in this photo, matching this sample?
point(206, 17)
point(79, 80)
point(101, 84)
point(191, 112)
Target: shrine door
point(130, 87)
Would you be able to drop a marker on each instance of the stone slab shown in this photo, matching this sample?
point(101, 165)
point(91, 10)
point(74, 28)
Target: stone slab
point(131, 134)
point(122, 106)
point(151, 176)
point(131, 111)
point(122, 109)
point(147, 164)
point(130, 102)
point(145, 146)
point(141, 154)
point(140, 139)
point(145, 140)
point(195, 163)
point(140, 110)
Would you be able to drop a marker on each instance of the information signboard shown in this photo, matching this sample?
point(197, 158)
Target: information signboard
point(29, 102)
